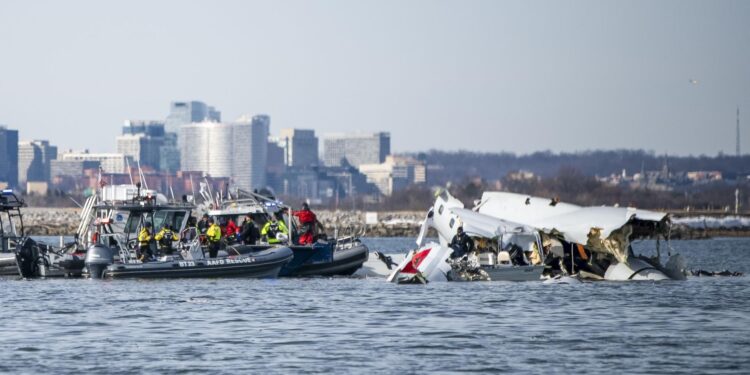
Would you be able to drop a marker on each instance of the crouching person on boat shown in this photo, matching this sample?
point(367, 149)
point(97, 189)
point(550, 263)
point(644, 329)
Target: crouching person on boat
point(164, 238)
point(145, 238)
point(461, 243)
point(214, 238)
point(272, 228)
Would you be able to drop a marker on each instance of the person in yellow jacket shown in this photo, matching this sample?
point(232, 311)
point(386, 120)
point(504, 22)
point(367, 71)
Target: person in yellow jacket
point(272, 228)
point(214, 238)
point(144, 242)
point(164, 238)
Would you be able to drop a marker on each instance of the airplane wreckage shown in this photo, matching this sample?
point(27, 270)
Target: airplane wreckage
point(515, 237)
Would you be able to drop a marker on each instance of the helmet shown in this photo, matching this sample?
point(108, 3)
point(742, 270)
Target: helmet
point(148, 224)
point(305, 206)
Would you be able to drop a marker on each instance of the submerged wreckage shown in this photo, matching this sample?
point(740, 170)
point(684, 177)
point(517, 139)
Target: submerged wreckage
point(516, 237)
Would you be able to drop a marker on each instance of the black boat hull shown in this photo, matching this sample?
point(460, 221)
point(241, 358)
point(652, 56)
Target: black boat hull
point(263, 264)
point(345, 262)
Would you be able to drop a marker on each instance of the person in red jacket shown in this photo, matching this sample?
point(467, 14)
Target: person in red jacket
point(231, 230)
point(307, 224)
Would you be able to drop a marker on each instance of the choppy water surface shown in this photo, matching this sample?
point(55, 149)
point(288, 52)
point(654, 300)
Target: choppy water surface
point(346, 325)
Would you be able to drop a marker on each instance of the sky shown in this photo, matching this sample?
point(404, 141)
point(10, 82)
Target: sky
point(488, 76)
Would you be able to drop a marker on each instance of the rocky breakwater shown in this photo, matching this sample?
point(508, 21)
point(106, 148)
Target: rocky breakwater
point(64, 221)
point(39, 221)
point(379, 224)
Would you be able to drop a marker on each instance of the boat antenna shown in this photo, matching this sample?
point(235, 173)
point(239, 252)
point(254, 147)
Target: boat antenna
point(76, 202)
point(192, 187)
point(140, 174)
point(130, 172)
point(99, 178)
point(208, 186)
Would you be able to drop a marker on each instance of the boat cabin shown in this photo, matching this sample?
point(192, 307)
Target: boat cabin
point(11, 220)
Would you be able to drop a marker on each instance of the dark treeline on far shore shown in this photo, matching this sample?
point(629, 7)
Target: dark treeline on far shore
point(445, 166)
point(586, 178)
point(571, 185)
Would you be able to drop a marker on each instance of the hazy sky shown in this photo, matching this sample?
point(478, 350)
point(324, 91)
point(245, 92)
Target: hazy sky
point(516, 76)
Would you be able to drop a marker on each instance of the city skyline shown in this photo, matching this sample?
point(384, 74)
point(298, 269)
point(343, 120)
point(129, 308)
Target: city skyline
point(480, 76)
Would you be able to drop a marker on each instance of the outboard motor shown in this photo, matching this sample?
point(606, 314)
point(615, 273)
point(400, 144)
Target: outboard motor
point(27, 258)
point(98, 257)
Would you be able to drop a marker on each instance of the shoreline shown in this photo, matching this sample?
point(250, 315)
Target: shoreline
point(40, 221)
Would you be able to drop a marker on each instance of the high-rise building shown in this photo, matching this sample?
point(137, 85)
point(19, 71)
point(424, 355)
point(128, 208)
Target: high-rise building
point(142, 141)
point(169, 154)
point(182, 113)
point(150, 128)
point(34, 160)
point(300, 147)
point(356, 149)
point(71, 168)
point(8, 157)
point(109, 162)
point(237, 150)
point(394, 174)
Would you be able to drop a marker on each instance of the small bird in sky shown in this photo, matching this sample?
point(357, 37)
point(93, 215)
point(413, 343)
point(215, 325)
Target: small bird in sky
point(693, 81)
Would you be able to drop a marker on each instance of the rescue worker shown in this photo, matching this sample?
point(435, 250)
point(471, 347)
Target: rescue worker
point(191, 231)
point(461, 243)
point(516, 254)
point(533, 255)
point(249, 233)
point(272, 228)
point(214, 238)
point(164, 238)
point(230, 231)
point(307, 224)
point(144, 242)
point(551, 261)
point(203, 224)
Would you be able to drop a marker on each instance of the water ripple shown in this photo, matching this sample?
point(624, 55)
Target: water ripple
point(342, 325)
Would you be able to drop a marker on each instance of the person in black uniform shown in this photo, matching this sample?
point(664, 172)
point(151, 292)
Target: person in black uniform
point(203, 224)
point(461, 243)
point(249, 233)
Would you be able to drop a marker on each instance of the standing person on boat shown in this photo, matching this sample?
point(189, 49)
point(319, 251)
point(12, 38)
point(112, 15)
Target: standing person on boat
point(230, 231)
point(191, 230)
point(461, 243)
point(144, 242)
point(203, 224)
point(272, 228)
point(249, 233)
point(165, 238)
point(214, 238)
point(307, 224)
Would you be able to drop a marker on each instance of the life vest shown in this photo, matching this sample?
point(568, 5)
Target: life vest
point(144, 237)
point(165, 238)
point(305, 216)
point(214, 233)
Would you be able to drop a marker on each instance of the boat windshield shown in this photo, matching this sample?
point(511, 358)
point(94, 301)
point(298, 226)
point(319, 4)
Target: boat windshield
point(134, 222)
point(260, 218)
point(525, 241)
point(174, 218)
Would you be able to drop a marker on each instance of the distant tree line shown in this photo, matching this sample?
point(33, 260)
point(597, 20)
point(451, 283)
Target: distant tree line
point(444, 167)
point(572, 186)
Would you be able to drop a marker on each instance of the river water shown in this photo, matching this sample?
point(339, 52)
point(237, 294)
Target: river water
point(345, 325)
